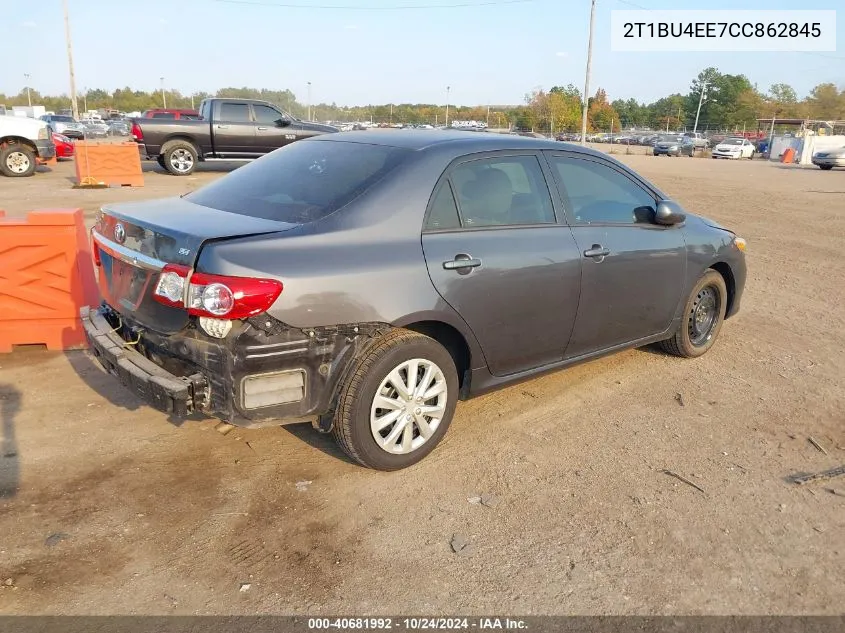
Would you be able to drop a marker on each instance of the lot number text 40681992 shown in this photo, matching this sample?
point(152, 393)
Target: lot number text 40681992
point(417, 623)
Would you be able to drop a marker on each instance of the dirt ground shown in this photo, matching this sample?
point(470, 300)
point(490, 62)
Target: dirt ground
point(109, 508)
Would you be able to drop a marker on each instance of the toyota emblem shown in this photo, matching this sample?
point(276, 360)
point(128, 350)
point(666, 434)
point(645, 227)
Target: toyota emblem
point(119, 233)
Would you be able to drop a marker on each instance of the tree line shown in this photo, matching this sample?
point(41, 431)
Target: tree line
point(730, 102)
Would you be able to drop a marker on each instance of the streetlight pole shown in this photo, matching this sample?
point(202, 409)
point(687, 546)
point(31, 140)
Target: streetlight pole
point(700, 101)
point(163, 96)
point(488, 116)
point(28, 100)
point(74, 108)
point(85, 99)
point(587, 77)
point(309, 100)
point(447, 105)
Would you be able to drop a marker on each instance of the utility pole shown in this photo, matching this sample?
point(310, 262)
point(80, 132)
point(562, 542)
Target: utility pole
point(391, 114)
point(73, 103)
point(700, 101)
point(587, 78)
point(679, 117)
point(447, 105)
point(163, 96)
point(488, 116)
point(28, 99)
point(309, 100)
point(192, 101)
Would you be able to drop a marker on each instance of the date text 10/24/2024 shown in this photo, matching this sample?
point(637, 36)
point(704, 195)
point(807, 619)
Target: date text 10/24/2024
point(415, 624)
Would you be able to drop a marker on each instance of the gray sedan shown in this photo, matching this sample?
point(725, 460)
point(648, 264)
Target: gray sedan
point(366, 282)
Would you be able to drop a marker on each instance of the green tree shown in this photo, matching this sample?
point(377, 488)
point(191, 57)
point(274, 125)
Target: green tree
point(826, 102)
point(601, 115)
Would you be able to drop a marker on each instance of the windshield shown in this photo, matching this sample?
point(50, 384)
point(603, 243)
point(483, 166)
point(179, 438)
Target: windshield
point(302, 182)
point(732, 141)
point(670, 138)
point(63, 119)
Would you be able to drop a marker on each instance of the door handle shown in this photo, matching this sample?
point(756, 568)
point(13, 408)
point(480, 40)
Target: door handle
point(261, 127)
point(222, 127)
point(597, 251)
point(462, 263)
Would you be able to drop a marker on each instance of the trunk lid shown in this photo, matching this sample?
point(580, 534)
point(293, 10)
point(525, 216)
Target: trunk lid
point(136, 240)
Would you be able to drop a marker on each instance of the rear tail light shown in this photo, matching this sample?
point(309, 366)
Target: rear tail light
point(215, 296)
point(170, 289)
point(137, 134)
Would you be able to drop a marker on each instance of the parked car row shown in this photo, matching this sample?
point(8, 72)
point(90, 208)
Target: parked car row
point(86, 127)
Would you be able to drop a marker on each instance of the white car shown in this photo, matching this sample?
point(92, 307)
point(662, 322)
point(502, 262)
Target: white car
point(734, 148)
point(23, 141)
point(830, 158)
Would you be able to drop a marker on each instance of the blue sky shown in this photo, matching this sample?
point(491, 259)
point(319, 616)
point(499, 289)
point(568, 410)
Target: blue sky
point(486, 54)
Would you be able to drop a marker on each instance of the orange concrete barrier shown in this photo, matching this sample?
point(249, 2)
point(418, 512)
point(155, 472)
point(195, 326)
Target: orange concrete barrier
point(788, 155)
point(112, 164)
point(46, 276)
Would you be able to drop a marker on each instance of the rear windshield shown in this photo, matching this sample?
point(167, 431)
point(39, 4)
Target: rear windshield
point(302, 182)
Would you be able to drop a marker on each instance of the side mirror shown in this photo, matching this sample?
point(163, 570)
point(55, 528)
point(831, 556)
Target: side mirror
point(282, 122)
point(669, 213)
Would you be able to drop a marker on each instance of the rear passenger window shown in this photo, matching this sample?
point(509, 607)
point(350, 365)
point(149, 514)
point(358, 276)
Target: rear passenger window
point(164, 115)
point(234, 112)
point(444, 211)
point(502, 191)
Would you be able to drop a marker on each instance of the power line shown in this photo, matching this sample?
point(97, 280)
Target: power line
point(454, 5)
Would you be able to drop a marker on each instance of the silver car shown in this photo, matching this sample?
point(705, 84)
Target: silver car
point(830, 158)
point(66, 125)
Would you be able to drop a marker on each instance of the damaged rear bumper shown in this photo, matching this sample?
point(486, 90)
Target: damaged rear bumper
point(177, 395)
point(262, 373)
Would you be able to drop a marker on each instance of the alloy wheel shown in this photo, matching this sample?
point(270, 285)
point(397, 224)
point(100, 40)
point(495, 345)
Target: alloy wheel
point(181, 160)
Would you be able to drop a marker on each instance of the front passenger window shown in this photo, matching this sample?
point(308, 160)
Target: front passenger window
point(598, 194)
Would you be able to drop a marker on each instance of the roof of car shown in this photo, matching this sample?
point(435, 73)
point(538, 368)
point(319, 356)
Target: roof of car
point(465, 140)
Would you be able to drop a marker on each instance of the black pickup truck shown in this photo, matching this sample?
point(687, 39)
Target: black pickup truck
point(228, 129)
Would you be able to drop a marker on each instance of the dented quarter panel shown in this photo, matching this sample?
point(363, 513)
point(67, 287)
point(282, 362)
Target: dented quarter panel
point(363, 264)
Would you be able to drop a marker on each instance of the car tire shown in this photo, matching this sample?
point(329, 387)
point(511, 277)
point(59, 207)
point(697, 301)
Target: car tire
point(751, 156)
point(356, 420)
point(160, 161)
point(17, 161)
point(180, 157)
point(704, 313)
point(825, 167)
